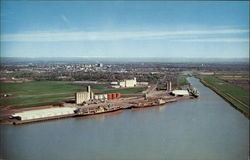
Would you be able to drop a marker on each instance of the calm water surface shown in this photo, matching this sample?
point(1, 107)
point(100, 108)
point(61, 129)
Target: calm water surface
point(203, 129)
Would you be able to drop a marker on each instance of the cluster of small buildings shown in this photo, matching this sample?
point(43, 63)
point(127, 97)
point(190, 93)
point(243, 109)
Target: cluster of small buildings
point(127, 83)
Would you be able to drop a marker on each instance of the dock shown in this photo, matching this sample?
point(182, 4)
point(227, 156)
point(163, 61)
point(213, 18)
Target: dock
point(154, 98)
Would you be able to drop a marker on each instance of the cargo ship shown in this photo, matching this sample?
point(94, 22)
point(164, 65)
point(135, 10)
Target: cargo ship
point(194, 92)
point(152, 103)
point(94, 111)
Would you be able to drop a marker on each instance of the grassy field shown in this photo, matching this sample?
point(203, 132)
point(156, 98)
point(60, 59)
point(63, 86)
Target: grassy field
point(38, 93)
point(238, 97)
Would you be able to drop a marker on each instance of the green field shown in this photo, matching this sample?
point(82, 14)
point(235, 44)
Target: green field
point(38, 93)
point(238, 97)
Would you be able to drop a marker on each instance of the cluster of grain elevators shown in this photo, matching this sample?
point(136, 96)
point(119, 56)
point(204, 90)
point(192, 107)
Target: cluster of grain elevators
point(84, 97)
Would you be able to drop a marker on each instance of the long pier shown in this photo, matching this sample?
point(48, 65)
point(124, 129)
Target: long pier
point(112, 106)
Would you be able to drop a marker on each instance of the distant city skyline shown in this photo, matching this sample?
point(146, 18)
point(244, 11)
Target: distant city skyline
point(193, 29)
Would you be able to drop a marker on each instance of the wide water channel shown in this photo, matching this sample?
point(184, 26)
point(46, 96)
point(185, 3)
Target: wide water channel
point(207, 128)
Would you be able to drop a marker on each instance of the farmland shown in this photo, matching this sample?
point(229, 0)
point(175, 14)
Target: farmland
point(238, 97)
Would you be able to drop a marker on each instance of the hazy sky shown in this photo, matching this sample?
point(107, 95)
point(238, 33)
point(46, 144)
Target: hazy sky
point(124, 29)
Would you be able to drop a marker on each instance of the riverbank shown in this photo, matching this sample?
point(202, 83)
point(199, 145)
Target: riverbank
point(232, 94)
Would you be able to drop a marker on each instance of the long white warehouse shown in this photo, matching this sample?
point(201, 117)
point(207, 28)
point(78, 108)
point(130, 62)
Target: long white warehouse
point(44, 113)
point(180, 93)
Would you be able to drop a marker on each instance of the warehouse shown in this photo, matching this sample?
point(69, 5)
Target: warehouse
point(180, 93)
point(142, 83)
point(128, 83)
point(43, 113)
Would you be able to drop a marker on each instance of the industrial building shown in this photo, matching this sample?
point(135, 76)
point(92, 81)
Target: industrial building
point(43, 113)
point(82, 97)
point(124, 83)
point(180, 93)
point(169, 86)
point(127, 83)
point(142, 83)
point(130, 82)
point(101, 96)
point(115, 86)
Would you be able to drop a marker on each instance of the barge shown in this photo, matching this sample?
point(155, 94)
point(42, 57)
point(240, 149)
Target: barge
point(152, 103)
point(94, 111)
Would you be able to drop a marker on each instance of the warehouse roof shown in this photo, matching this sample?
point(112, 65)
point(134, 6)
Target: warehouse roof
point(40, 113)
point(180, 92)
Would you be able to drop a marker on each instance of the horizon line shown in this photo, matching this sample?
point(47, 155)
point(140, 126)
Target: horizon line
point(133, 57)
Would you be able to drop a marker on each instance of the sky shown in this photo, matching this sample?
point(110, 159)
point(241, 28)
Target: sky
point(192, 29)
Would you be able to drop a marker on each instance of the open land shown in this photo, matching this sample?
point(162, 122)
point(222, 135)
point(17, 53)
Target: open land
point(38, 93)
point(235, 95)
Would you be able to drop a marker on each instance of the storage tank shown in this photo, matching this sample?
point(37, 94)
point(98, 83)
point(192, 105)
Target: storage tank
point(118, 95)
point(113, 95)
point(96, 96)
point(109, 96)
point(100, 96)
point(105, 96)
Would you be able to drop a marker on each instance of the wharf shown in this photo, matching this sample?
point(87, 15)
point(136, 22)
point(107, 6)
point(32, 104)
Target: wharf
point(109, 106)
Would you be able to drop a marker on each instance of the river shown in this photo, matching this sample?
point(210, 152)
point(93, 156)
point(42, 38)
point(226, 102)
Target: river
point(207, 128)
